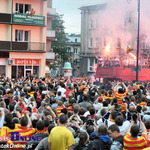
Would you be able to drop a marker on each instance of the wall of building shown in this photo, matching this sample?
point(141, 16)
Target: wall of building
point(5, 6)
point(20, 55)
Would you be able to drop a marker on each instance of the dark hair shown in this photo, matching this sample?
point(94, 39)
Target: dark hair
point(11, 107)
point(46, 112)
point(102, 130)
point(24, 121)
point(40, 125)
point(59, 93)
point(15, 120)
point(114, 114)
point(85, 97)
point(143, 98)
point(92, 111)
point(29, 109)
point(82, 111)
point(64, 110)
point(119, 120)
point(114, 128)
point(46, 122)
point(50, 127)
point(90, 129)
point(63, 119)
point(147, 124)
point(134, 130)
point(82, 138)
point(8, 117)
point(120, 90)
point(19, 109)
point(34, 123)
point(105, 103)
point(76, 108)
point(103, 111)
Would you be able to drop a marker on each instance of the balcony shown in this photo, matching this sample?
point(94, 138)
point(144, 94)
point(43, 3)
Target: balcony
point(22, 46)
point(50, 33)
point(33, 20)
point(51, 12)
point(5, 18)
point(50, 55)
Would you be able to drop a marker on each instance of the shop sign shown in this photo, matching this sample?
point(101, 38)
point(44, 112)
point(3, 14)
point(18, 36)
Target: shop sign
point(28, 62)
point(29, 19)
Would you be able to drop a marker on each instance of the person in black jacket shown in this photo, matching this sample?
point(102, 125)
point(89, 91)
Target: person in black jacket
point(102, 141)
point(82, 142)
point(114, 133)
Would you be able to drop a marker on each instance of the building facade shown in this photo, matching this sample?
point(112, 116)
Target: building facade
point(50, 36)
point(23, 37)
point(111, 25)
point(73, 48)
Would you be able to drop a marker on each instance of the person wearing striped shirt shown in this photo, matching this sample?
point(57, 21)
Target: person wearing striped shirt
point(120, 93)
point(131, 140)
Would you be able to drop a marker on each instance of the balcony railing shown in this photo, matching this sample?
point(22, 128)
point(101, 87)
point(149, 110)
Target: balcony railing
point(29, 19)
point(22, 46)
point(50, 33)
point(51, 12)
point(5, 18)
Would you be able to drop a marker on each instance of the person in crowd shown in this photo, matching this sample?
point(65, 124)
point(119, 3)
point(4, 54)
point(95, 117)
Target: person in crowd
point(115, 134)
point(60, 137)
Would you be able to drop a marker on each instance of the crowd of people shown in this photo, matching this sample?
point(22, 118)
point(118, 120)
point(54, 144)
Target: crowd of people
point(125, 61)
point(71, 113)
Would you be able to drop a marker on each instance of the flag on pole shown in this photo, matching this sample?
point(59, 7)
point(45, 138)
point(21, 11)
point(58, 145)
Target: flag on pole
point(129, 49)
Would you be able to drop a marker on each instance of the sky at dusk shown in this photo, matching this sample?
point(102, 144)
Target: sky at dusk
point(71, 11)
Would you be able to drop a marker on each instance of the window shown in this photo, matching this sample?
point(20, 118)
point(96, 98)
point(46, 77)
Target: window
point(75, 50)
point(22, 8)
point(97, 24)
point(21, 35)
point(96, 42)
point(75, 40)
point(91, 64)
point(91, 24)
point(90, 43)
point(68, 50)
point(144, 45)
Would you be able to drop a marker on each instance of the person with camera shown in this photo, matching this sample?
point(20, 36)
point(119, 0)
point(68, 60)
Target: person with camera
point(120, 91)
point(131, 140)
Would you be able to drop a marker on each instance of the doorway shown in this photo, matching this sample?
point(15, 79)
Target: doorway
point(27, 71)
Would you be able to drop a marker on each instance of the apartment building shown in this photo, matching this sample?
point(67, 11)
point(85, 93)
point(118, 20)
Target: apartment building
point(73, 48)
point(112, 23)
point(23, 38)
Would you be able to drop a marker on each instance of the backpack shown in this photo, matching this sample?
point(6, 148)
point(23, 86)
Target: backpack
point(98, 144)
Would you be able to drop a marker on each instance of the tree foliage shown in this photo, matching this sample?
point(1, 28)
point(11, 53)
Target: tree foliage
point(59, 45)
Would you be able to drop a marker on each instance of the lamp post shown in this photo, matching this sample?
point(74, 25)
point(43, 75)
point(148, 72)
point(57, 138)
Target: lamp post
point(138, 40)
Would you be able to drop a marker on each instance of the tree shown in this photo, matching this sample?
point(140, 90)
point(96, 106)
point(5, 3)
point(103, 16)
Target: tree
point(59, 45)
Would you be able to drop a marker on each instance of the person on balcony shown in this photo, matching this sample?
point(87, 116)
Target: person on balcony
point(32, 11)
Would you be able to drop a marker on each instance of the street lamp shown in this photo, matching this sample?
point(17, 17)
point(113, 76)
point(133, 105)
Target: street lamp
point(138, 39)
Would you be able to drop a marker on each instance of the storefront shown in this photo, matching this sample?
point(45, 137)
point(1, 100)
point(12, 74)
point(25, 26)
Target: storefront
point(21, 67)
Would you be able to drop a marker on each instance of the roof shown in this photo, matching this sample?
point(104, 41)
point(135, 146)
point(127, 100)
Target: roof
point(94, 7)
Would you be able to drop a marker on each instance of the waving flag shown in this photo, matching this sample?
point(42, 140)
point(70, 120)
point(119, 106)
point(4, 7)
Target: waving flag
point(129, 49)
